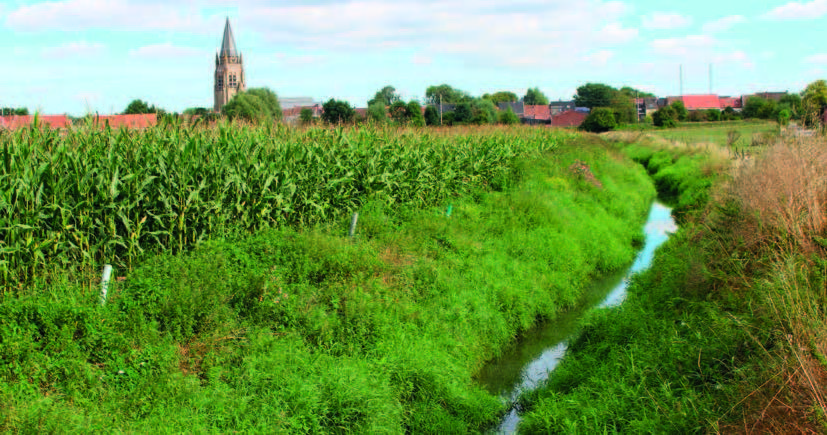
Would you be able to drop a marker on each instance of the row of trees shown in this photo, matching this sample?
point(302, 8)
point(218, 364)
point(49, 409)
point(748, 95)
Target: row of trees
point(10, 111)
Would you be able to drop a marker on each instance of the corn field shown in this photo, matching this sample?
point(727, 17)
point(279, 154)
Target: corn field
point(83, 197)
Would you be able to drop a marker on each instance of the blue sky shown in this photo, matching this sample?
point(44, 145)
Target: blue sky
point(77, 56)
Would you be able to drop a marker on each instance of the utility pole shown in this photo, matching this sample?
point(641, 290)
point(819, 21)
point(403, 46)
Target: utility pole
point(440, 110)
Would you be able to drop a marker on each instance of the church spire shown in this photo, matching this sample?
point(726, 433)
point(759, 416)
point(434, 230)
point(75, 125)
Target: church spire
point(228, 43)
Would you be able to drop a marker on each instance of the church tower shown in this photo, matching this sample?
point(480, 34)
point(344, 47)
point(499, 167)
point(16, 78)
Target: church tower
point(229, 70)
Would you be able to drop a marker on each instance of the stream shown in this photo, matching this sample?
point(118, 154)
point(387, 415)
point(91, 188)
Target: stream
point(528, 362)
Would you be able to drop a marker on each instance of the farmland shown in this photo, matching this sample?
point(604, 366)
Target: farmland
point(242, 305)
point(87, 197)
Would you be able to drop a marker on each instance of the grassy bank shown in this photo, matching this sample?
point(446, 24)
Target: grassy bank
point(725, 333)
point(298, 329)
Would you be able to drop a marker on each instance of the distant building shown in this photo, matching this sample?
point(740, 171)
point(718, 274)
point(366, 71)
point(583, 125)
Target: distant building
point(536, 114)
point(229, 70)
point(561, 106)
point(518, 108)
point(568, 119)
point(645, 106)
point(13, 122)
point(291, 102)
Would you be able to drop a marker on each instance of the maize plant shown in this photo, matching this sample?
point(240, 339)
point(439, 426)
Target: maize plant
point(81, 197)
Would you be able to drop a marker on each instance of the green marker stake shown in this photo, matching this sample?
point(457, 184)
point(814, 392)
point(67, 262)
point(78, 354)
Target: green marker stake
point(450, 208)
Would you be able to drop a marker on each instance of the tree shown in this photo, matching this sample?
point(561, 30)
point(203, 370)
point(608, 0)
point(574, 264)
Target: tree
point(593, 95)
point(196, 111)
point(713, 114)
point(698, 116)
point(508, 117)
point(399, 112)
point(431, 116)
point(755, 107)
point(600, 119)
point(624, 108)
point(10, 111)
point(415, 117)
point(138, 107)
point(534, 97)
point(448, 95)
point(462, 114)
point(634, 93)
point(377, 112)
point(784, 117)
point(483, 112)
point(336, 112)
point(270, 99)
point(680, 110)
point(813, 101)
point(501, 97)
point(306, 116)
point(386, 96)
point(254, 105)
point(729, 114)
point(665, 117)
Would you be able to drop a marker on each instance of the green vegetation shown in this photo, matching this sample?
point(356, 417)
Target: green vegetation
point(464, 240)
point(508, 117)
point(253, 105)
point(501, 97)
point(593, 95)
point(600, 119)
point(745, 134)
point(534, 96)
point(10, 111)
point(338, 112)
point(139, 107)
point(725, 332)
point(90, 196)
point(385, 96)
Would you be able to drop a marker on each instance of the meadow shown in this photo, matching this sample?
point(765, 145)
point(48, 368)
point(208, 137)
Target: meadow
point(242, 304)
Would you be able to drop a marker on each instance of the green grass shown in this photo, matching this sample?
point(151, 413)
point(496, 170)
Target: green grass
point(302, 330)
point(691, 343)
point(748, 133)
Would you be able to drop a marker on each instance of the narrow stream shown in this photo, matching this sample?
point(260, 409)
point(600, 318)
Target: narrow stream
point(537, 352)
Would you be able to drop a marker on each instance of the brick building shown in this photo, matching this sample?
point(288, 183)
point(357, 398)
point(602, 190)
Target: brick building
point(229, 70)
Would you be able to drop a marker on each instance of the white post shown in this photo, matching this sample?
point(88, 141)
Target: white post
point(107, 273)
point(353, 225)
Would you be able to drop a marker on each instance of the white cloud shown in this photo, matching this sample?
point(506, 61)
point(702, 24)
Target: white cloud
point(74, 49)
point(166, 50)
point(682, 46)
point(299, 60)
point(737, 57)
point(614, 33)
point(78, 15)
point(723, 24)
point(419, 59)
point(599, 58)
point(820, 58)
point(521, 33)
point(799, 10)
point(665, 21)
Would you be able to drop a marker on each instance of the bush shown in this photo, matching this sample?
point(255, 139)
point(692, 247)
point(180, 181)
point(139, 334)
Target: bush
point(336, 112)
point(508, 117)
point(601, 119)
point(665, 117)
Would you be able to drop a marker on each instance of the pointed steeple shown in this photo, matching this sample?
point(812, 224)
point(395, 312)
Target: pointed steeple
point(228, 43)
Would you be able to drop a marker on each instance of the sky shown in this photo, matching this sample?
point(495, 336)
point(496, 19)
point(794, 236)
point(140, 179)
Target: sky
point(83, 56)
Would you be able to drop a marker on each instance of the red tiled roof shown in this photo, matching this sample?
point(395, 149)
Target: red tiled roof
point(569, 118)
point(537, 112)
point(701, 102)
point(15, 122)
point(128, 121)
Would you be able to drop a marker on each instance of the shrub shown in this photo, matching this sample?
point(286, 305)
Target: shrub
point(601, 119)
point(665, 117)
point(508, 117)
